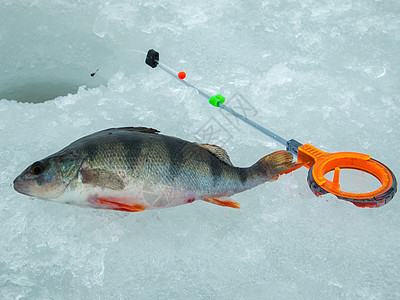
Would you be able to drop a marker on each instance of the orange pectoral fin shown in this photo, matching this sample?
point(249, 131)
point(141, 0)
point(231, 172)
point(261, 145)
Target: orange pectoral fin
point(220, 202)
point(120, 206)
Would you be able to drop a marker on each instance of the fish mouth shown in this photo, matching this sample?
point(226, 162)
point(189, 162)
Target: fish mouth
point(22, 186)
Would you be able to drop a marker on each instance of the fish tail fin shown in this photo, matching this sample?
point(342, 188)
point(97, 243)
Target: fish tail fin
point(275, 164)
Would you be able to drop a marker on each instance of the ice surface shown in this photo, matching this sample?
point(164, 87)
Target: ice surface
point(322, 73)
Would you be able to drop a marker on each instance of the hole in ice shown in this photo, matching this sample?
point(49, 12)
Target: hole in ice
point(38, 92)
point(42, 59)
point(40, 85)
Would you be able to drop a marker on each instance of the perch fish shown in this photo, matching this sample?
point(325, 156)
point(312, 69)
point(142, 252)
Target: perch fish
point(136, 168)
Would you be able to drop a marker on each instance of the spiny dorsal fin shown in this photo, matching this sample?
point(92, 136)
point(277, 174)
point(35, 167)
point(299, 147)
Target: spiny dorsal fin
point(138, 129)
point(218, 152)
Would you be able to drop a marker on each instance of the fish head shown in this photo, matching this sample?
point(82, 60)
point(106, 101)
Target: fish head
point(48, 178)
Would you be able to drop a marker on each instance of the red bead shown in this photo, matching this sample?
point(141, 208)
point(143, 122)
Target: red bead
point(181, 75)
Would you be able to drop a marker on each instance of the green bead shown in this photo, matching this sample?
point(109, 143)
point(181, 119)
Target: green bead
point(216, 100)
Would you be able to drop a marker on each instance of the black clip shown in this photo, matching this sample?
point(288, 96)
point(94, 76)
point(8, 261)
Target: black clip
point(152, 58)
point(292, 146)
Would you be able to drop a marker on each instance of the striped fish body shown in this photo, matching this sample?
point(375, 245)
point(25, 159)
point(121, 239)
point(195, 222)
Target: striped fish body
point(137, 168)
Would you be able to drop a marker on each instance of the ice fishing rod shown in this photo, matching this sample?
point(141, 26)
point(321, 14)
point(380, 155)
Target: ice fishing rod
point(317, 161)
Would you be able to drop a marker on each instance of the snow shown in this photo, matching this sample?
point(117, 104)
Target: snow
point(321, 73)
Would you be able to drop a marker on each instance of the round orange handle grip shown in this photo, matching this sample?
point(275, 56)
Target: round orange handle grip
point(321, 163)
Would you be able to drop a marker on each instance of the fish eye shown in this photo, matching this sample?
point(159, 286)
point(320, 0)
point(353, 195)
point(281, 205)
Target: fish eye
point(37, 168)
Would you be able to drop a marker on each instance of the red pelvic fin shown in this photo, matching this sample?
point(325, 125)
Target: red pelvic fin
point(120, 206)
point(221, 202)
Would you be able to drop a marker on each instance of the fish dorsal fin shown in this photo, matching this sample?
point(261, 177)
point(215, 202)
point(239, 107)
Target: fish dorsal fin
point(137, 129)
point(218, 152)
